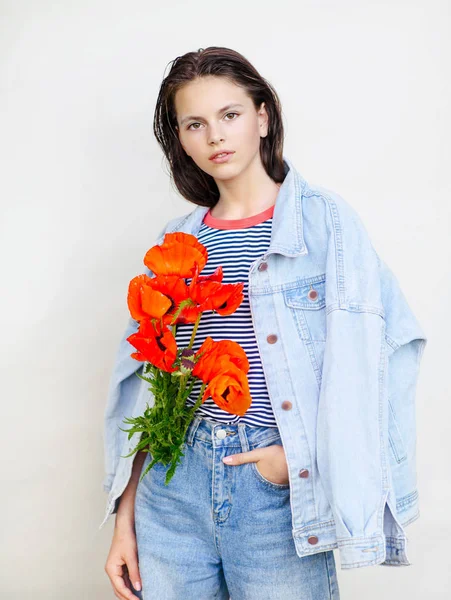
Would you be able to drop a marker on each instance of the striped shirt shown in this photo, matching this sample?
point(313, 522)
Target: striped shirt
point(234, 244)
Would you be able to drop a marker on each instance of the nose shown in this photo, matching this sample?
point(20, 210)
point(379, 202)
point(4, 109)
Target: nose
point(215, 136)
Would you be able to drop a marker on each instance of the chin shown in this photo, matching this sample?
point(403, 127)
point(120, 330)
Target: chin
point(226, 174)
point(223, 171)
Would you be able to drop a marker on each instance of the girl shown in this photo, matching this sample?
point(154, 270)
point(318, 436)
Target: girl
point(223, 527)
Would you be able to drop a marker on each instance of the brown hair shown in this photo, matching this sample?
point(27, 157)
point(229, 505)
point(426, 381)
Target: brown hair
point(194, 184)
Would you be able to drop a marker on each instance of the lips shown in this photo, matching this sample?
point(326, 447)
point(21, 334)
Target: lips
point(222, 152)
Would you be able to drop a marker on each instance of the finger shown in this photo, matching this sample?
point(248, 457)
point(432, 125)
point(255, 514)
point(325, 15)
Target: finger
point(117, 580)
point(132, 577)
point(133, 572)
point(120, 589)
point(244, 457)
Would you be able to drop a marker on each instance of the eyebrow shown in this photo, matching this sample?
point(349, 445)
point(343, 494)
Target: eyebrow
point(219, 111)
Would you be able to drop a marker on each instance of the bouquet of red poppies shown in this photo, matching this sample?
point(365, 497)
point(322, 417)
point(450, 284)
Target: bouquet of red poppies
point(159, 303)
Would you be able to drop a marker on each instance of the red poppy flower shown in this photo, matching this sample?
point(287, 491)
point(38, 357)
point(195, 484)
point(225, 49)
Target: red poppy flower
point(155, 343)
point(177, 255)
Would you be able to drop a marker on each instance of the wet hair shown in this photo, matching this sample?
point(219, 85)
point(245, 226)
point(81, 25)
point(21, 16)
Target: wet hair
point(192, 182)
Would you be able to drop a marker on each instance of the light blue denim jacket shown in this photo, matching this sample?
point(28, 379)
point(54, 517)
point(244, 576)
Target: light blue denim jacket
point(341, 368)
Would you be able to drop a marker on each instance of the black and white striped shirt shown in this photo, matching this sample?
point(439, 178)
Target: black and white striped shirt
point(234, 244)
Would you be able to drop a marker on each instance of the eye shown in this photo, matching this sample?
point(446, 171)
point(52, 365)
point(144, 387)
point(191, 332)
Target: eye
point(190, 127)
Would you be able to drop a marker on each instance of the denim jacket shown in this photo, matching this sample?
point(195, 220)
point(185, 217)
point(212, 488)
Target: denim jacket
point(341, 349)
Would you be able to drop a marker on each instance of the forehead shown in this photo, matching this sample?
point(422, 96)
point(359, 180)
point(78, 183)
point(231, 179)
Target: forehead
point(206, 95)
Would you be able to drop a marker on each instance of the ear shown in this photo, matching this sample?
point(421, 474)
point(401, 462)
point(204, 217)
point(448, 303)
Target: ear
point(263, 120)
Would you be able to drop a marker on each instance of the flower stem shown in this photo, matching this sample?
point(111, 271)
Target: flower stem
point(193, 334)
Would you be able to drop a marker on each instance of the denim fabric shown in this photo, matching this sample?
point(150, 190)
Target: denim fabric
point(341, 349)
point(220, 531)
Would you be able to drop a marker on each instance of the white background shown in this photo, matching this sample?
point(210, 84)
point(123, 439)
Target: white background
point(365, 90)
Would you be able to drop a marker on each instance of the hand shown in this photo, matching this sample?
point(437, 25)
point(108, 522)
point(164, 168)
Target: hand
point(123, 552)
point(271, 462)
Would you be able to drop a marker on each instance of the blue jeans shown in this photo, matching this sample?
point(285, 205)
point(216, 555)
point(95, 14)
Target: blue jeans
point(220, 531)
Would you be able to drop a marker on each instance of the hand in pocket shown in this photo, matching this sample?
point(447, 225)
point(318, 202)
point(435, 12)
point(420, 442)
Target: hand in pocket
point(270, 462)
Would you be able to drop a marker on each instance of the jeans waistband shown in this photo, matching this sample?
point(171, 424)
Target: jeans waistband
point(240, 435)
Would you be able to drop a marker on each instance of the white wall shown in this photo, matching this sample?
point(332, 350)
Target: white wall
point(365, 89)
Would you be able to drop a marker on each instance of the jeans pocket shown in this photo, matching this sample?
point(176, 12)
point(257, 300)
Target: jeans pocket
point(261, 478)
point(267, 482)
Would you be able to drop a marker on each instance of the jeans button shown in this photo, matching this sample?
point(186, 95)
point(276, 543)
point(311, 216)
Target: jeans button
point(221, 433)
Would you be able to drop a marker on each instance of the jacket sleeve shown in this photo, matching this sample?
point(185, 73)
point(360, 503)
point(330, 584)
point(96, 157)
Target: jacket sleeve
point(372, 352)
point(405, 343)
point(123, 391)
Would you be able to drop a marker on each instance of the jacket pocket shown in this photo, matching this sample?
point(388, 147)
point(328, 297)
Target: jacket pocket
point(308, 307)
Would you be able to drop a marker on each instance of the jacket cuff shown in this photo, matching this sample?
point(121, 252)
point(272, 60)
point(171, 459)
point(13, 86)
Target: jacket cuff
point(379, 549)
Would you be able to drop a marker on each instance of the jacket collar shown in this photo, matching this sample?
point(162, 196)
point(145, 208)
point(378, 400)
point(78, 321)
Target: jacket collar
point(287, 231)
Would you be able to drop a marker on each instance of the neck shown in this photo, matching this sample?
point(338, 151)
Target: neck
point(247, 194)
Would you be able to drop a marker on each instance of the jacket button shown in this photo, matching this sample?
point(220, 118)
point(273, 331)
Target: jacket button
point(303, 473)
point(262, 266)
point(312, 295)
point(286, 405)
point(312, 539)
point(272, 338)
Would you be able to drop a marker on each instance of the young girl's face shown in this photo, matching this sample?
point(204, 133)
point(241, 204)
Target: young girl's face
point(214, 114)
